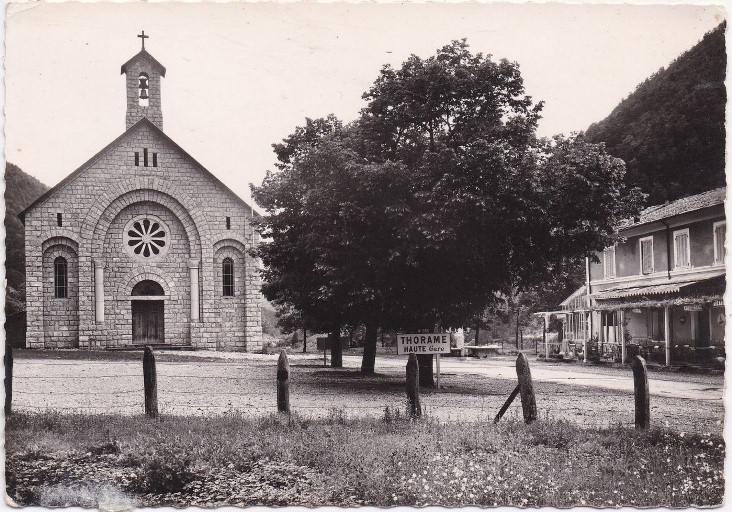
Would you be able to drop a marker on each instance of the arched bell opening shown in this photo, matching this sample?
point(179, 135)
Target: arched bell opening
point(144, 86)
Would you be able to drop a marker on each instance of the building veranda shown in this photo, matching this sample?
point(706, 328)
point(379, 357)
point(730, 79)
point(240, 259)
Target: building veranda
point(659, 292)
point(141, 244)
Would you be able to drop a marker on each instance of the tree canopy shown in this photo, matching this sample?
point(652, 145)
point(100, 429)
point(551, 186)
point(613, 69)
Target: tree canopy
point(436, 198)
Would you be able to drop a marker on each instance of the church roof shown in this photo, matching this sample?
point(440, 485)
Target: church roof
point(144, 121)
point(143, 55)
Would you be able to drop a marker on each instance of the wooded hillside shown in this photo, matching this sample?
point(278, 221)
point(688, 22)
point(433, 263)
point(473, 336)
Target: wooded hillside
point(671, 130)
point(21, 190)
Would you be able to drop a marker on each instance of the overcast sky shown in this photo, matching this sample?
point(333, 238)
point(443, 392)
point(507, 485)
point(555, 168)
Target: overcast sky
point(242, 76)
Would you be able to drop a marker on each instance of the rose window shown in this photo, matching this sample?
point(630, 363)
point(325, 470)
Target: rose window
point(146, 238)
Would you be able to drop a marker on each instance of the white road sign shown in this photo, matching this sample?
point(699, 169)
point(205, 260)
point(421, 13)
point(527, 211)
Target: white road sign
point(423, 343)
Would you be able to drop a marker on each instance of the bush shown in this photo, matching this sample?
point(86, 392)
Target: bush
point(161, 473)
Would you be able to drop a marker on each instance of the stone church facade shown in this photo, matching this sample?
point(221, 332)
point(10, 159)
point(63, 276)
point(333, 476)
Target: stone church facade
point(141, 245)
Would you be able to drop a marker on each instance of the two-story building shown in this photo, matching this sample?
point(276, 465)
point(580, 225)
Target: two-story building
point(659, 291)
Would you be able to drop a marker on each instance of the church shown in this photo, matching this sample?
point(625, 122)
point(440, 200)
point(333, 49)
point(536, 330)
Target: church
point(141, 245)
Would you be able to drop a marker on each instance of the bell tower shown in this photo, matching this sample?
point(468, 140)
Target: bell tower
point(143, 87)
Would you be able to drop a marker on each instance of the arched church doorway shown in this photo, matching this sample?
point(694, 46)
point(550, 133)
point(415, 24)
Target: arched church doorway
point(148, 313)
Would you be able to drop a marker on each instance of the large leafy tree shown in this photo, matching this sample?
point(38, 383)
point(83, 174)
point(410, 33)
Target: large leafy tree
point(438, 198)
point(331, 219)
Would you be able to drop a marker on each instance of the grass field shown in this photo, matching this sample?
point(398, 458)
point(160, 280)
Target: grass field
point(123, 461)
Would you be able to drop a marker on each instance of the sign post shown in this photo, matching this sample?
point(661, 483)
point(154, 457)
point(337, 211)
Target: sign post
point(432, 343)
point(437, 362)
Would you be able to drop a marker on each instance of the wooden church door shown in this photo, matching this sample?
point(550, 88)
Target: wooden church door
point(148, 321)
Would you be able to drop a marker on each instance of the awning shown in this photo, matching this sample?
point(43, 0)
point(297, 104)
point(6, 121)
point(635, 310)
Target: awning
point(710, 286)
point(549, 313)
point(699, 291)
point(582, 290)
point(638, 291)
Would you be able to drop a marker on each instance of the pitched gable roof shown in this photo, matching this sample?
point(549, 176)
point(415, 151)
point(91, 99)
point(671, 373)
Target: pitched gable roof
point(144, 121)
point(143, 55)
point(678, 207)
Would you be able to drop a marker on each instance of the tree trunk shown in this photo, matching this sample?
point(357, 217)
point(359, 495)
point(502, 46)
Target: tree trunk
point(369, 350)
point(426, 375)
point(477, 335)
point(518, 316)
point(336, 353)
point(304, 341)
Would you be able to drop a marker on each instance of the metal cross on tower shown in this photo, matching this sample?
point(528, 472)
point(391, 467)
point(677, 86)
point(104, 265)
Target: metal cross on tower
point(143, 37)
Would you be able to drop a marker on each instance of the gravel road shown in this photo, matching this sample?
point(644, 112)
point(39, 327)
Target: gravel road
point(205, 383)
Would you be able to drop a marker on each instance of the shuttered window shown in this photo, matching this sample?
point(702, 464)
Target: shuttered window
point(681, 249)
point(609, 257)
point(720, 237)
point(646, 250)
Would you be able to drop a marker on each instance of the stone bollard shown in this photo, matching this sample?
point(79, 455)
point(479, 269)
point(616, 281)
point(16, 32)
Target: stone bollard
point(283, 383)
point(415, 408)
point(528, 399)
point(642, 397)
point(150, 378)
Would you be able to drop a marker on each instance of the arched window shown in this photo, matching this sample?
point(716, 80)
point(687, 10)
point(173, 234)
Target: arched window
point(60, 278)
point(227, 276)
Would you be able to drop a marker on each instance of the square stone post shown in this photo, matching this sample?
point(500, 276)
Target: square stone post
point(194, 265)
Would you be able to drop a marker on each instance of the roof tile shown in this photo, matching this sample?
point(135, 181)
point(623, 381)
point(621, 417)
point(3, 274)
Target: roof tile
point(683, 205)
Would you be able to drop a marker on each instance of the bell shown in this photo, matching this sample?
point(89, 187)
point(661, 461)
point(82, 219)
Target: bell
point(143, 94)
point(143, 82)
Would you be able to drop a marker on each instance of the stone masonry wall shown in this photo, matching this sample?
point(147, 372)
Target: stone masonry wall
point(153, 111)
point(91, 200)
point(60, 315)
point(123, 271)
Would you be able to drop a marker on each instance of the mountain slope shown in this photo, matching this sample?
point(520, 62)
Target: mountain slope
point(21, 190)
point(671, 130)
